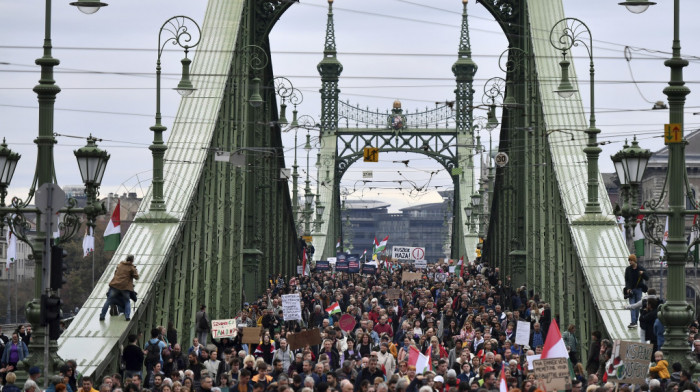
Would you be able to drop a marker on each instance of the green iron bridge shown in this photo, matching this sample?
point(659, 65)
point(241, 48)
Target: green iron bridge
point(228, 227)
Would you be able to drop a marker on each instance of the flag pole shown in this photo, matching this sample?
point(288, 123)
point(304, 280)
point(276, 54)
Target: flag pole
point(93, 268)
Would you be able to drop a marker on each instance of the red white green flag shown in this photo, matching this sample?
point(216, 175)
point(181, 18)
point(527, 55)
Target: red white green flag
point(113, 232)
point(334, 308)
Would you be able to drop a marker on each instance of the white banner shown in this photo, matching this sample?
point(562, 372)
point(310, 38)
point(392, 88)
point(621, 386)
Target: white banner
point(291, 307)
point(522, 334)
point(223, 328)
point(420, 264)
point(408, 253)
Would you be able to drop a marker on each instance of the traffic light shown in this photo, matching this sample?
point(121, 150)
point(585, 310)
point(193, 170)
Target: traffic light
point(51, 315)
point(58, 267)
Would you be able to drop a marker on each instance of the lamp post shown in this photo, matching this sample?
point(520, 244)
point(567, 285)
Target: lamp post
point(42, 349)
point(308, 196)
point(180, 35)
point(676, 314)
point(564, 35)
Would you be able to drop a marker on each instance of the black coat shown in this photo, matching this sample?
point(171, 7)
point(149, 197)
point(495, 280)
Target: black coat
point(632, 277)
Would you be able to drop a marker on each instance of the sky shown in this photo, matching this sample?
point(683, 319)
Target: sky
point(390, 49)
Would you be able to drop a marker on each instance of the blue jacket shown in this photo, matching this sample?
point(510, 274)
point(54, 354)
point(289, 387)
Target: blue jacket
point(22, 351)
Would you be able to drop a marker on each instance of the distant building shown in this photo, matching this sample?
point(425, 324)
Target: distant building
point(421, 226)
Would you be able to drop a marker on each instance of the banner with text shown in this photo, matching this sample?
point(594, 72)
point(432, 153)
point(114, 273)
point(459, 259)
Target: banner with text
point(370, 269)
point(554, 372)
point(223, 328)
point(353, 263)
point(323, 265)
point(420, 264)
point(408, 253)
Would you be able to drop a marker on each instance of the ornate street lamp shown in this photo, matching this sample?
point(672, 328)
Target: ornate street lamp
point(42, 349)
point(180, 34)
point(637, 6)
point(564, 35)
point(676, 314)
point(88, 6)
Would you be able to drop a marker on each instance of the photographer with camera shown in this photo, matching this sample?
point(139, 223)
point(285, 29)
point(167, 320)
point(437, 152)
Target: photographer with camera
point(635, 277)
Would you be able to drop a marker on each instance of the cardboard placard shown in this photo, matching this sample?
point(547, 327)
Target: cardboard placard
point(251, 335)
point(410, 276)
point(629, 362)
point(554, 372)
point(223, 328)
point(291, 307)
point(392, 294)
point(298, 340)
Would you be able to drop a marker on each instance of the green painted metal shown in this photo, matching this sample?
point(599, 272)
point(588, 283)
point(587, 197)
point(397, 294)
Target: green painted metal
point(232, 226)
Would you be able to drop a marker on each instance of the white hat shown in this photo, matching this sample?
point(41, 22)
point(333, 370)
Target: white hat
point(439, 379)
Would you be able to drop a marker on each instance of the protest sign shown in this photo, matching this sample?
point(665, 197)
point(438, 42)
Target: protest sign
point(408, 253)
point(223, 328)
point(441, 277)
point(298, 340)
point(629, 362)
point(392, 294)
point(332, 260)
point(251, 335)
point(299, 270)
point(353, 263)
point(522, 334)
point(341, 266)
point(420, 264)
point(291, 307)
point(410, 276)
point(451, 269)
point(370, 269)
point(323, 265)
point(346, 322)
point(530, 359)
point(554, 372)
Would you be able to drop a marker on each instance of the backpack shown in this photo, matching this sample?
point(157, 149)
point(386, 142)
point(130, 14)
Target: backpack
point(203, 323)
point(153, 353)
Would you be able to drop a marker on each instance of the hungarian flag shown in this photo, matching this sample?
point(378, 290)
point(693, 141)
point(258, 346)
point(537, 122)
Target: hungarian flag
point(364, 255)
point(693, 236)
point(381, 246)
point(460, 264)
point(88, 242)
point(375, 245)
point(417, 359)
point(113, 232)
point(503, 386)
point(554, 346)
point(334, 308)
point(304, 266)
point(337, 245)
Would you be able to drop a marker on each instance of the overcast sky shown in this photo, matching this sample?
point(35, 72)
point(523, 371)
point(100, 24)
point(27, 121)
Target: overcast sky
point(390, 49)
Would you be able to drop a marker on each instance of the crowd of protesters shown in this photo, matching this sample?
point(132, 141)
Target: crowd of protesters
point(466, 325)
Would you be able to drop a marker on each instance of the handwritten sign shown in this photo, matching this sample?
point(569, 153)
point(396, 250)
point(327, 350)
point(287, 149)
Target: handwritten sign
point(251, 335)
point(410, 276)
point(298, 340)
point(522, 334)
point(554, 372)
point(291, 307)
point(223, 328)
point(629, 362)
point(393, 294)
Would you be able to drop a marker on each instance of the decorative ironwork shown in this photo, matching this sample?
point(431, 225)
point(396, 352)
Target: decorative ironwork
point(181, 34)
point(357, 117)
point(568, 33)
point(254, 57)
point(506, 13)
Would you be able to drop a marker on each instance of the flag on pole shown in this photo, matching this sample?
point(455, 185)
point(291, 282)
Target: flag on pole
point(364, 255)
point(88, 242)
point(11, 248)
point(113, 232)
point(693, 236)
point(337, 245)
point(380, 246)
point(417, 359)
point(621, 226)
point(503, 386)
point(304, 266)
point(554, 346)
point(638, 236)
point(374, 246)
point(334, 308)
point(460, 264)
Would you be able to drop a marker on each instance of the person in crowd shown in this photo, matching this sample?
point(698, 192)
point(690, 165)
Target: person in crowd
point(635, 278)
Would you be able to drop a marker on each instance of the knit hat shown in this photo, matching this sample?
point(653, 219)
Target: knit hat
point(451, 373)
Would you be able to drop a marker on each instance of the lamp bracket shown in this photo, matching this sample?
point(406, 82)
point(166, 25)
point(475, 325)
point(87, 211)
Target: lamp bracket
point(570, 32)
